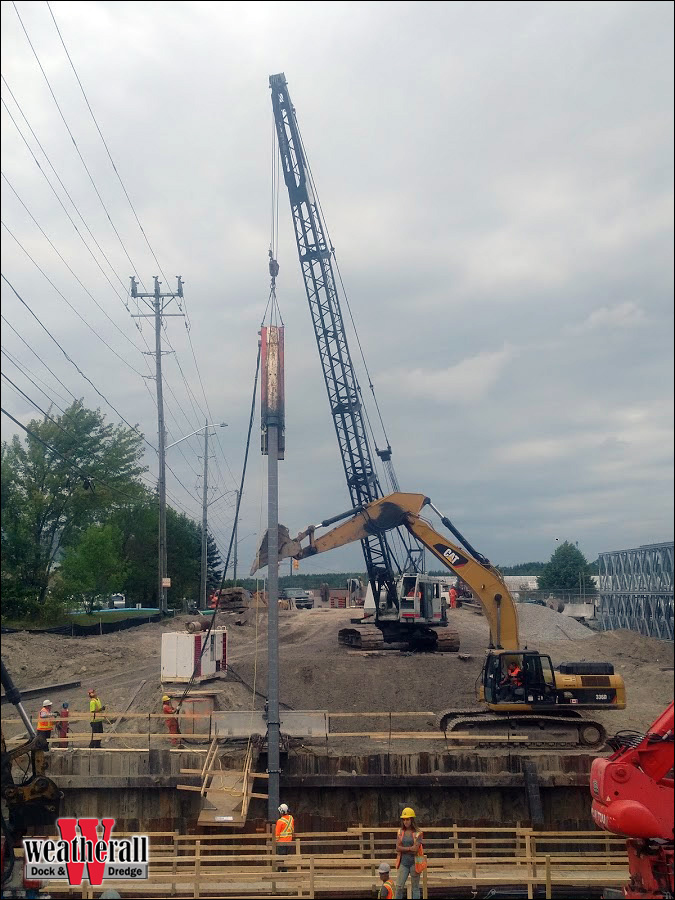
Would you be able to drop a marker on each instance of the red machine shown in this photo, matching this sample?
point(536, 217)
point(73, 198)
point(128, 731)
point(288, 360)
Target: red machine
point(633, 795)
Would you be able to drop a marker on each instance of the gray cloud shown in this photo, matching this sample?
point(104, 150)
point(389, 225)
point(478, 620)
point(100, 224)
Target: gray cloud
point(497, 182)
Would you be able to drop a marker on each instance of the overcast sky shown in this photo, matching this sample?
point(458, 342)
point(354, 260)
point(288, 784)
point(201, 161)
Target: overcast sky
point(497, 181)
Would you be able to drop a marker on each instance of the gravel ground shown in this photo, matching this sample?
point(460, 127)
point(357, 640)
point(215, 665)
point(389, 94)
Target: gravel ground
point(318, 674)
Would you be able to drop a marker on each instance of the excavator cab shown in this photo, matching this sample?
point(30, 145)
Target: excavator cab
point(518, 679)
point(420, 600)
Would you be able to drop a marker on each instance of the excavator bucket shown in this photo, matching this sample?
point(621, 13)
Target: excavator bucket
point(287, 547)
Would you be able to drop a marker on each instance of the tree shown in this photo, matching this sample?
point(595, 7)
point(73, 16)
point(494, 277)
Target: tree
point(214, 563)
point(567, 570)
point(93, 568)
point(69, 474)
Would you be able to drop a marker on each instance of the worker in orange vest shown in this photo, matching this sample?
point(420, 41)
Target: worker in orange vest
point(387, 886)
point(453, 597)
point(284, 830)
point(45, 724)
point(171, 719)
point(511, 681)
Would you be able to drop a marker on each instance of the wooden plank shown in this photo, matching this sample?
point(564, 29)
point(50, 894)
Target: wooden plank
point(29, 693)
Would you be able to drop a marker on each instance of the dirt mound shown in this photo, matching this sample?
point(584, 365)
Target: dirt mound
point(539, 623)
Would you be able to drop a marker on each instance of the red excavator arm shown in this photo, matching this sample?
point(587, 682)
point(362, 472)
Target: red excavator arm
point(633, 795)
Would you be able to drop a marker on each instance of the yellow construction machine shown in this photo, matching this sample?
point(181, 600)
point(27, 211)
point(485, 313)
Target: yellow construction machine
point(523, 693)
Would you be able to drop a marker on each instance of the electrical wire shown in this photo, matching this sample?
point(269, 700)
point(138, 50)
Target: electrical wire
point(73, 308)
point(191, 682)
point(88, 477)
point(40, 360)
point(72, 137)
point(73, 363)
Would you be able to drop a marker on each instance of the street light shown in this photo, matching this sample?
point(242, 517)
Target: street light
point(205, 504)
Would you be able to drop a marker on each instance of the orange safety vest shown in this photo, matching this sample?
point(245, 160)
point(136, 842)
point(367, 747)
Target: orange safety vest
point(284, 829)
point(417, 836)
point(388, 887)
point(45, 722)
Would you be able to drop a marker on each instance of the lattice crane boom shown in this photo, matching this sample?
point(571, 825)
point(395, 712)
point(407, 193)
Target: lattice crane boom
point(344, 393)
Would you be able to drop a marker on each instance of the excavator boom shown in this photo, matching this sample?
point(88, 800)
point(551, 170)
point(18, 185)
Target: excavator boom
point(402, 509)
point(632, 795)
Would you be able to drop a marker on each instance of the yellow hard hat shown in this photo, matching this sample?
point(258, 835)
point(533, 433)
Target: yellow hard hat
point(165, 698)
point(408, 813)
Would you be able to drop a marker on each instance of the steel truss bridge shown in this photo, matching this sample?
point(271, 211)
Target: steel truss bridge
point(636, 590)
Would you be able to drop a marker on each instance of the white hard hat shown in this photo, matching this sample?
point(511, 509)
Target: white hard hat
point(384, 868)
point(283, 809)
point(47, 703)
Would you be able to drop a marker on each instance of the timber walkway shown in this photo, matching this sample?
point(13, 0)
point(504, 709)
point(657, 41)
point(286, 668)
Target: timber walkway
point(461, 862)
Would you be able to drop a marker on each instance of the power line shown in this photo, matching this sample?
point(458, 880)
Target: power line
point(19, 366)
point(145, 477)
point(55, 192)
point(73, 465)
point(112, 162)
point(80, 235)
point(51, 91)
point(70, 305)
point(116, 172)
point(39, 358)
point(73, 363)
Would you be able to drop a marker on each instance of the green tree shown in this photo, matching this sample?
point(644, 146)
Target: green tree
point(568, 570)
point(214, 563)
point(138, 525)
point(51, 496)
point(184, 557)
point(93, 568)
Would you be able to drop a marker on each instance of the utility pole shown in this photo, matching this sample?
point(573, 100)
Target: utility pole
point(204, 515)
point(156, 302)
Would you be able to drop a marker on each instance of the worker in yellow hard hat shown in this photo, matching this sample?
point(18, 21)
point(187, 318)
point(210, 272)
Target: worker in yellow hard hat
point(410, 859)
point(171, 719)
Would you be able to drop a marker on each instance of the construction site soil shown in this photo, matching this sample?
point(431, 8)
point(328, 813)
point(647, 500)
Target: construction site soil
point(317, 673)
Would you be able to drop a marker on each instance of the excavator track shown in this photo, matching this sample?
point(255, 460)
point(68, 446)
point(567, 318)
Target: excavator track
point(363, 637)
point(568, 731)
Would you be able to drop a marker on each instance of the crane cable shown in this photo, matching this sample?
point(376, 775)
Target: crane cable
point(191, 682)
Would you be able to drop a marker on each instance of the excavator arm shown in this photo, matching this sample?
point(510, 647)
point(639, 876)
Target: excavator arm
point(632, 791)
point(632, 795)
point(400, 509)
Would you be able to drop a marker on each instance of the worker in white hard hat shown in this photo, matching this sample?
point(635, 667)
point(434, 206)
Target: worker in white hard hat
point(387, 886)
point(284, 831)
point(45, 725)
point(410, 859)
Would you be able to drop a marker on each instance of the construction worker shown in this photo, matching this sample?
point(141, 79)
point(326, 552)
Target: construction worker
point(63, 727)
point(512, 682)
point(95, 718)
point(387, 886)
point(453, 597)
point(171, 719)
point(408, 846)
point(284, 830)
point(45, 724)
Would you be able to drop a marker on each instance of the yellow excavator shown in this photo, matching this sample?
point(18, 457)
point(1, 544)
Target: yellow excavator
point(524, 696)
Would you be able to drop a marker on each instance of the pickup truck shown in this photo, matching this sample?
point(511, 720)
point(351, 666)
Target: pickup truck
point(301, 599)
